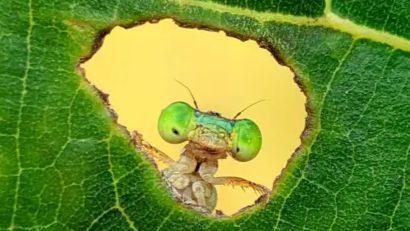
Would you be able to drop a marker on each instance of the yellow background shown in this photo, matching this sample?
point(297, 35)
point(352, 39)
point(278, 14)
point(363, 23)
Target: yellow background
point(137, 68)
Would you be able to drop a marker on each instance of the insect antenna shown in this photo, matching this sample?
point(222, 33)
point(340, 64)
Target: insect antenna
point(239, 113)
point(193, 98)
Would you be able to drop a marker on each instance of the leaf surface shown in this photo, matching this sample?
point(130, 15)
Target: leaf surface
point(65, 164)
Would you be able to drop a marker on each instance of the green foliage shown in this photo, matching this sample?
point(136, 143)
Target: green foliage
point(66, 165)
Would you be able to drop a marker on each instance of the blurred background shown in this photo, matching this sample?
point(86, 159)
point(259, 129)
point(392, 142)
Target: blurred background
point(137, 68)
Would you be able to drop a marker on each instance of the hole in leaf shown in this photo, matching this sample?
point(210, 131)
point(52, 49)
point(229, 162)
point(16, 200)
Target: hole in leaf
point(137, 68)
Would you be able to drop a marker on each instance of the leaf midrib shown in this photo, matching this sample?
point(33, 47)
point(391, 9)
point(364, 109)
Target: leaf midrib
point(328, 20)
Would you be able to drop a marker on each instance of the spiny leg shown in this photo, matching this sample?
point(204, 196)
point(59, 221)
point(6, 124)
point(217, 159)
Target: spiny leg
point(243, 183)
point(209, 168)
point(150, 150)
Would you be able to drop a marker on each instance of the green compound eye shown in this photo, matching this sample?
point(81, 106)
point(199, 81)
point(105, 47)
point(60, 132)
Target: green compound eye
point(246, 140)
point(175, 122)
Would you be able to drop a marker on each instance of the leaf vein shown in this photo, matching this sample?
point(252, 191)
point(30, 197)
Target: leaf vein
point(328, 20)
point(403, 187)
point(20, 112)
point(114, 183)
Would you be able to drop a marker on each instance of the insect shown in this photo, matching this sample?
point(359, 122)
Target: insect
point(209, 137)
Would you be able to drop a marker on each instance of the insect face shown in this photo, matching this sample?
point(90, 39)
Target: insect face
point(210, 132)
point(211, 138)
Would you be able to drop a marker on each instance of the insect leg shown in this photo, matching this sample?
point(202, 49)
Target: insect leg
point(148, 149)
point(198, 188)
point(243, 183)
point(178, 175)
point(208, 169)
point(185, 164)
point(179, 181)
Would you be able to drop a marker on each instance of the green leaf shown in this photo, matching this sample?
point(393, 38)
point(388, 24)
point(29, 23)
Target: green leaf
point(65, 164)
